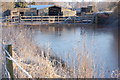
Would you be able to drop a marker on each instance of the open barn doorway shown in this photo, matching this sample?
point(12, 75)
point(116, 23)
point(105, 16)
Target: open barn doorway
point(55, 11)
point(22, 13)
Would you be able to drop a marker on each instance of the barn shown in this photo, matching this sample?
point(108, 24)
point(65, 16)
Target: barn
point(21, 11)
point(88, 9)
point(52, 10)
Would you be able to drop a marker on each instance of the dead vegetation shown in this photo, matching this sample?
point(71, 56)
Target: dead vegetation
point(41, 63)
point(29, 56)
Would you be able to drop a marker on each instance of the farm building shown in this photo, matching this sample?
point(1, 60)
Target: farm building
point(52, 10)
point(21, 11)
point(40, 10)
point(88, 9)
point(84, 9)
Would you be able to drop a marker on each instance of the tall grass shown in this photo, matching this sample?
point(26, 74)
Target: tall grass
point(41, 62)
point(27, 54)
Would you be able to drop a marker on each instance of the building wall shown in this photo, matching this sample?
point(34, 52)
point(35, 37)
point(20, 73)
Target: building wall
point(25, 11)
point(88, 9)
point(43, 12)
point(68, 12)
point(55, 11)
point(14, 13)
point(65, 11)
point(28, 11)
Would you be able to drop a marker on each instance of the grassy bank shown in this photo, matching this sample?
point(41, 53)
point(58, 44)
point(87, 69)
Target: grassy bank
point(42, 63)
point(37, 61)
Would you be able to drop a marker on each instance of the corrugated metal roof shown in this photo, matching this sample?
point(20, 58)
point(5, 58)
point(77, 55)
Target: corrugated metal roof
point(39, 6)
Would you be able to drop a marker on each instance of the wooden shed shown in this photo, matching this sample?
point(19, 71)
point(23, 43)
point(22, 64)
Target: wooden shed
point(88, 9)
point(23, 12)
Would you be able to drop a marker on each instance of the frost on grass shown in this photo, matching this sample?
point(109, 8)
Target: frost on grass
point(27, 54)
point(39, 62)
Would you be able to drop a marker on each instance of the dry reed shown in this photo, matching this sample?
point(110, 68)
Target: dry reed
point(41, 63)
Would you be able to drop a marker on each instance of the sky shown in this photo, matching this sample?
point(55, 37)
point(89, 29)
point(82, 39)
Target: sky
point(72, 0)
point(63, 0)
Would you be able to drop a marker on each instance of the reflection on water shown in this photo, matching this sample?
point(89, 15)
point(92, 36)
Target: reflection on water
point(100, 42)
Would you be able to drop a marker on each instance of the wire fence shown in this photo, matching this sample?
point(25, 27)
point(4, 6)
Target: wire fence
point(9, 57)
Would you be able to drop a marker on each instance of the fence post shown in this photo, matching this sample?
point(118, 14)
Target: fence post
point(58, 18)
point(41, 20)
point(96, 19)
point(6, 19)
point(49, 19)
point(31, 18)
point(19, 18)
point(14, 20)
point(74, 19)
point(11, 18)
point(54, 19)
point(9, 63)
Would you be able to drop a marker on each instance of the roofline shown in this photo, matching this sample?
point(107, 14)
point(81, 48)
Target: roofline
point(21, 8)
point(57, 6)
point(43, 8)
point(47, 7)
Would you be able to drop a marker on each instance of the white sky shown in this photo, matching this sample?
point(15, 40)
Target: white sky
point(62, 0)
point(72, 0)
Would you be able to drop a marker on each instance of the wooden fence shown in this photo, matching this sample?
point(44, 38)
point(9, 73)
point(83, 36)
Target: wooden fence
point(49, 19)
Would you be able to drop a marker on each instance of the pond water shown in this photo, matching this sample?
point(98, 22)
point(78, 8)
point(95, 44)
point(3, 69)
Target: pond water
point(100, 42)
